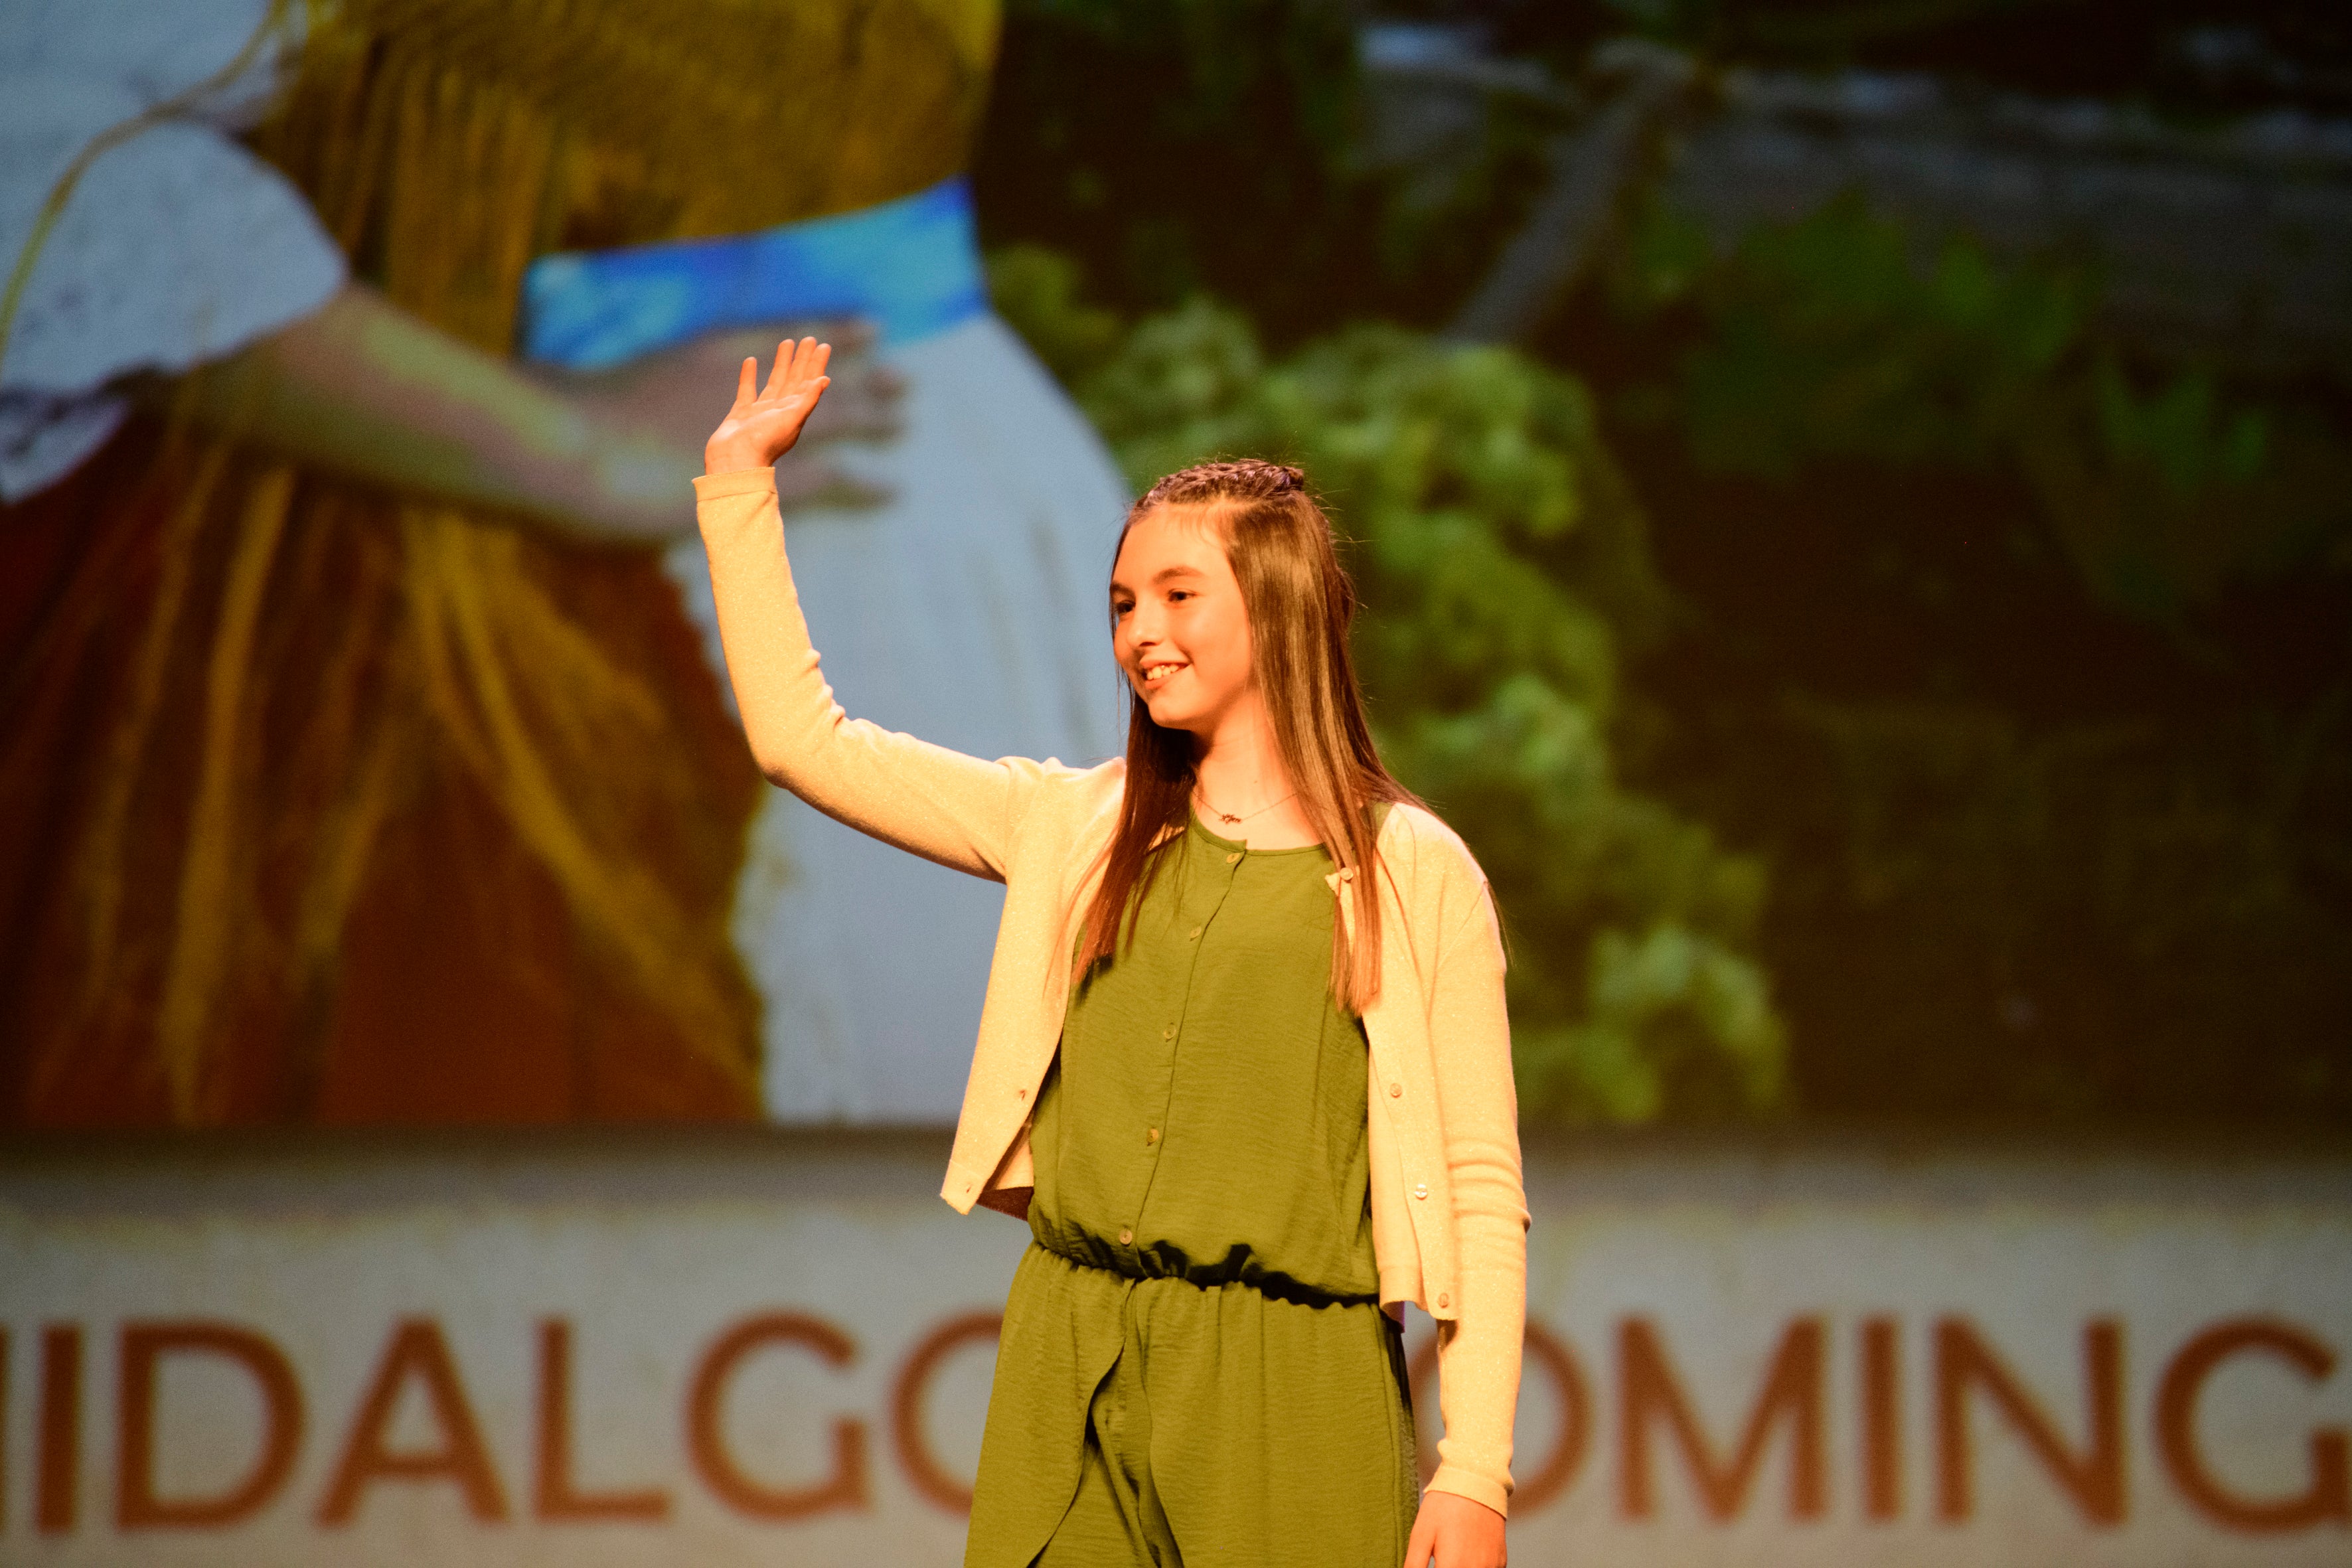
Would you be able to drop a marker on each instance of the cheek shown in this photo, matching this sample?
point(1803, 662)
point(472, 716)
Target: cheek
point(1228, 653)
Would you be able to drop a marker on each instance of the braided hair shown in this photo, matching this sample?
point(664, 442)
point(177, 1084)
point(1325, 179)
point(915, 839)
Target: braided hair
point(1240, 479)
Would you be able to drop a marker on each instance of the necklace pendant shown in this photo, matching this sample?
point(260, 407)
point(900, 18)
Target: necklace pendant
point(1227, 816)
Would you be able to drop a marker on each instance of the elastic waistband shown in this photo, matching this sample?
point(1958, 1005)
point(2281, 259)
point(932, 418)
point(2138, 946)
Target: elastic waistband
point(1273, 1287)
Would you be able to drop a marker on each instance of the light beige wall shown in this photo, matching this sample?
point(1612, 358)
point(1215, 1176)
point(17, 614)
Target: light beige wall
point(859, 1304)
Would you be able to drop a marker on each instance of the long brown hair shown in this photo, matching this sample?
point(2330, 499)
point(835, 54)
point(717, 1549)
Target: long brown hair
point(1299, 602)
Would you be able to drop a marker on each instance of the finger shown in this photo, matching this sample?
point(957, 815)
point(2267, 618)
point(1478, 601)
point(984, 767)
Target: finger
point(777, 377)
point(803, 361)
point(747, 381)
point(797, 403)
point(1420, 1544)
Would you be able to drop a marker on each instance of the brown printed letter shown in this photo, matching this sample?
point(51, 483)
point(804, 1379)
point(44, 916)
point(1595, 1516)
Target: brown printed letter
point(144, 1345)
point(908, 1434)
point(2327, 1498)
point(2093, 1479)
point(1792, 1387)
point(706, 1409)
point(417, 1352)
point(59, 1481)
point(558, 1497)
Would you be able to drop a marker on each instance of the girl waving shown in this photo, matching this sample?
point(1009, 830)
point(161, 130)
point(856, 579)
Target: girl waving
point(1243, 1063)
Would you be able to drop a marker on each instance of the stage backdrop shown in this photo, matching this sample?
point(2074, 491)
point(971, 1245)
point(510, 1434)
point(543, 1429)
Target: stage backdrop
point(712, 1349)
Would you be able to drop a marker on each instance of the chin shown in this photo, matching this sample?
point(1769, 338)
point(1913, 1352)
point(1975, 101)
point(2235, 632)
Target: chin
point(1169, 715)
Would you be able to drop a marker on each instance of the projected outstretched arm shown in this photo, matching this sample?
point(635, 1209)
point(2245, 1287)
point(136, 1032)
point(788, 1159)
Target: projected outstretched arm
point(367, 388)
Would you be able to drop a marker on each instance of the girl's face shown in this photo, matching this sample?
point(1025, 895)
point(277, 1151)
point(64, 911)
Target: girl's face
point(1179, 626)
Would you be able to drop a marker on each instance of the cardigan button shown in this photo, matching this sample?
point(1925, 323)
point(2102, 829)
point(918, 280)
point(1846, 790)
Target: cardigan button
point(1126, 1236)
point(1395, 1089)
point(1234, 857)
point(1421, 1189)
point(1444, 1299)
point(1020, 1094)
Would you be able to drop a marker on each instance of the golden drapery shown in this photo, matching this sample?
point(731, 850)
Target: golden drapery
point(328, 803)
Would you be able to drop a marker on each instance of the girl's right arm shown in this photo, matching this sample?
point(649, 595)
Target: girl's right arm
point(957, 810)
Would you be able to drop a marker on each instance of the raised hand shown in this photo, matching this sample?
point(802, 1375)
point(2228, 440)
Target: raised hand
point(647, 437)
point(765, 421)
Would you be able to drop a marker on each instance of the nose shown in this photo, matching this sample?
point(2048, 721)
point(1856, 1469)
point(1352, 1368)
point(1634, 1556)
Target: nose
point(1139, 629)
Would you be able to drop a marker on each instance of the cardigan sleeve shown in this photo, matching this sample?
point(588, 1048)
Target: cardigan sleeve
point(957, 810)
point(1479, 1349)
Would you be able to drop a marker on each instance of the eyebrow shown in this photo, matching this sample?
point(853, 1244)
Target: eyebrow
point(1162, 576)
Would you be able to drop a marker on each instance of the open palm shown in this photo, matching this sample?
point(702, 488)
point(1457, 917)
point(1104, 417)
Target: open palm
point(765, 421)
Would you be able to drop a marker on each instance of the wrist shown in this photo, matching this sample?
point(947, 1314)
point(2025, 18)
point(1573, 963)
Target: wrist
point(727, 458)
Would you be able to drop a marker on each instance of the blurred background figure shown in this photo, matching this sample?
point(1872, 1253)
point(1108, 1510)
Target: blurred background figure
point(364, 757)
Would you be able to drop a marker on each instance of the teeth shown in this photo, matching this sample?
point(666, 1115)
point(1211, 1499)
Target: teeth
point(1159, 672)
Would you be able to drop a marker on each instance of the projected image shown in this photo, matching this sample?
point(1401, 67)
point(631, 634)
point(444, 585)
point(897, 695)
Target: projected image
point(366, 751)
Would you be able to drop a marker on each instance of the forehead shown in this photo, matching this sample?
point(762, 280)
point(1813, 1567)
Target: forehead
point(1173, 536)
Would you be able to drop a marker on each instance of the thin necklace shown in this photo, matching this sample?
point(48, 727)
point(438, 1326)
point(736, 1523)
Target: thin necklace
point(1227, 817)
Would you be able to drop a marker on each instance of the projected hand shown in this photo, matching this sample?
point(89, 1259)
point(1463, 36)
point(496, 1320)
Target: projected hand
point(648, 433)
point(764, 422)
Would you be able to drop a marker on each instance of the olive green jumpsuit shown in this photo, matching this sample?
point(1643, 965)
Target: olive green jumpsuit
point(1194, 1365)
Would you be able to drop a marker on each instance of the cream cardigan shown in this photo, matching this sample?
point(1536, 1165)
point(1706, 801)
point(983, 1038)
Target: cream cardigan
point(1449, 1211)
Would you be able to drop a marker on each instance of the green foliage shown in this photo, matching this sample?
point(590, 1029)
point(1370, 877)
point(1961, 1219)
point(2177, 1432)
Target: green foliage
point(1503, 564)
point(1834, 338)
point(1827, 339)
point(2109, 918)
point(2029, 862)
point(1036, 289)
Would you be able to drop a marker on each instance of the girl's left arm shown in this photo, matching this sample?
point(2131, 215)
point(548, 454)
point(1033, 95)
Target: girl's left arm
point(1478, 1351)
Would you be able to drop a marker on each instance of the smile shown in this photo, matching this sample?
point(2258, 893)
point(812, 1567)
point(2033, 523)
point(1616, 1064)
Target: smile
point(1158, 674)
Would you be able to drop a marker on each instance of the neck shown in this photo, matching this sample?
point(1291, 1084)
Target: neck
point(1239, 768)
point(1238, 763)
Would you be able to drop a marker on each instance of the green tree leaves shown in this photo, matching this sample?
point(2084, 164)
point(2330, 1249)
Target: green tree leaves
point(1504, 566)
point(1840, 337)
